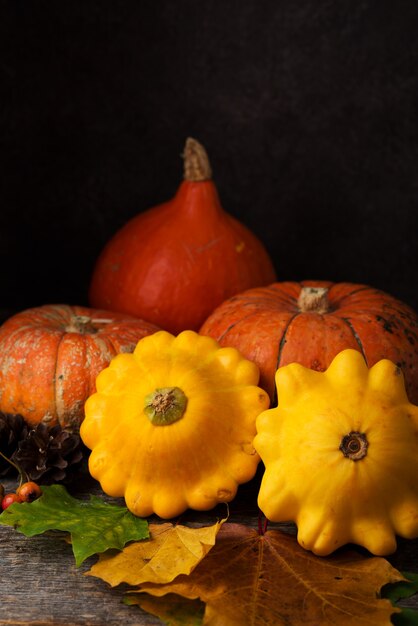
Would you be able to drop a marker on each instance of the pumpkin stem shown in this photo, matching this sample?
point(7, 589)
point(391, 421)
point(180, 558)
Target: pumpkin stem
point(314, 300)
point(354, 446)
point(165, 405)
point(196, 162)
point(81, 324)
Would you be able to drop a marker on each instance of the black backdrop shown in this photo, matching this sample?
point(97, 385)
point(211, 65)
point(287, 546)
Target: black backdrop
point(308, 110)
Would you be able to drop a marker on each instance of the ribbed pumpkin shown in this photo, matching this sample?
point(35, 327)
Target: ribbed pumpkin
point(50, 357)
point(174, 263)
point(311, 322)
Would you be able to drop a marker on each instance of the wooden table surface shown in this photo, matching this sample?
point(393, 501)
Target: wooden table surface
point(41, 586)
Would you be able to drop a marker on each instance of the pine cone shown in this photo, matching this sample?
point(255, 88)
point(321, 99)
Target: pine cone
point(13, 428)
point(50, 455)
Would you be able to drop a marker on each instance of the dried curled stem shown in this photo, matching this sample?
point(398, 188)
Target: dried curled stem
point(314, 300)
point(196, 162)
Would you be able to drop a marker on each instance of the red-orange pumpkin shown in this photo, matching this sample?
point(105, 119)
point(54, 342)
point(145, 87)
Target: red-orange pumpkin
point(310, 322)
point(50, 357)
point(174, 263)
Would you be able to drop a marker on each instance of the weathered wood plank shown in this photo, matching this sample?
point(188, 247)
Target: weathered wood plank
point(41, 585)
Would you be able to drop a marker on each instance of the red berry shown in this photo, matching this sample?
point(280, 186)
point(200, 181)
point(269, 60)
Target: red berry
point(28, 492)
point(9, 499)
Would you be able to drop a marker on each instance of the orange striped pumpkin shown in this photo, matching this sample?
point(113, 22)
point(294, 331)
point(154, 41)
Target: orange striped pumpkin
point(311, 321)
point(50, 357)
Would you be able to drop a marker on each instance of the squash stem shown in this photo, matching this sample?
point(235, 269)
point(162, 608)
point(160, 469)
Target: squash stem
point(165, 405)
point(196, 162)
point(81, 324)
point(314, 300)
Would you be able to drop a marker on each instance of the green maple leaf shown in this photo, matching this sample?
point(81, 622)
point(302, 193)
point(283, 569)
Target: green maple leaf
point(402, 589)
point(94, 525)
point(399, 591)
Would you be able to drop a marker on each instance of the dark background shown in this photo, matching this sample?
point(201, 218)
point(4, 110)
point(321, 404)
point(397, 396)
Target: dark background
point(308, 110)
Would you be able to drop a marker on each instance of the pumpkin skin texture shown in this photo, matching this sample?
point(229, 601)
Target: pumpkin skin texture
point(171, 426)
point(311, 322)
point(174, 263)
point(341, 455)
point(50, 357)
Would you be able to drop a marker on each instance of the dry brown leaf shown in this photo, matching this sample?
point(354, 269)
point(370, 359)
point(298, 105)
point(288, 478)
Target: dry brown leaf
point(254, 580)
point(170, 551)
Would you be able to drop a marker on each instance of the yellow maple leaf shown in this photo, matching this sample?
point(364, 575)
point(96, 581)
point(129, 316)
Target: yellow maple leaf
point(171, 550)
point(259, 580)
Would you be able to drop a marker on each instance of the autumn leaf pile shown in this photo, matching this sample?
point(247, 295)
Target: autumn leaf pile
point(225, 574)
point(248, 578)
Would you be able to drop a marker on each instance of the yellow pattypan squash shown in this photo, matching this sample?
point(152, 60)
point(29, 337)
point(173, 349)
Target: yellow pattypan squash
point(171, 426)
point(341, 455)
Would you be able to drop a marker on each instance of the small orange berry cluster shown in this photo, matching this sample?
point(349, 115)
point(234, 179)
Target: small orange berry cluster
point(26, 492)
